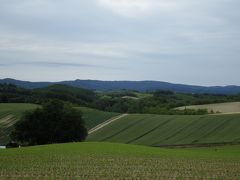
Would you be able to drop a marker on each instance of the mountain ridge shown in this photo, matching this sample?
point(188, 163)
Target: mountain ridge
point(142, 86)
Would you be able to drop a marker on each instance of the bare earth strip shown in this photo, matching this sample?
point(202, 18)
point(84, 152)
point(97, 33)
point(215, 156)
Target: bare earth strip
point(226, 113)
point(106, 123)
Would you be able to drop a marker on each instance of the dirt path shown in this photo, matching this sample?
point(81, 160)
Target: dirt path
point(106, 123)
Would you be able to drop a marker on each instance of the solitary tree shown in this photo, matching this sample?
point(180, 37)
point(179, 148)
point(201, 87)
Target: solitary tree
point(55, 122)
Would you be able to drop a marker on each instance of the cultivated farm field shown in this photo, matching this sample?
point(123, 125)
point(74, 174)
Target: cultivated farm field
point(93, 117)
point(232, 107)
point(118, 161)
point(162, 130)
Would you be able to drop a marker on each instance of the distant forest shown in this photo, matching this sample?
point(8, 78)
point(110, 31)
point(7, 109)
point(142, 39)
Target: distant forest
point(122, 101)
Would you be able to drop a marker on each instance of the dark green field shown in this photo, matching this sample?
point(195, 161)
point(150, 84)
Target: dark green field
point(118, 161)
point(157, 130)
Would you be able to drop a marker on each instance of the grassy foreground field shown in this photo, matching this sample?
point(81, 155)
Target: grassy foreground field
point(118, 161)
point(10, 113)
point(158, 130)
point(233, 107)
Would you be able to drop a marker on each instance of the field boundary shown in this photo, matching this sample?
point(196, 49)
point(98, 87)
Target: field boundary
point(198, 145)
point(230, 113)
point(107, 122)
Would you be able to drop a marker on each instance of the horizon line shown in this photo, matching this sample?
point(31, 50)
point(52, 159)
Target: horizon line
point(174, 83)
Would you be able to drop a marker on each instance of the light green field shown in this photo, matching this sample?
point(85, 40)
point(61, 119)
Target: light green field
point(158, 130)
point(94, 117)
point(232, 107)
point(10, 113)
point(118, 161)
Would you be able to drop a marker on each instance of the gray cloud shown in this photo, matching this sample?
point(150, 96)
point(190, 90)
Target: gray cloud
point(51, 64)
point(196, 42)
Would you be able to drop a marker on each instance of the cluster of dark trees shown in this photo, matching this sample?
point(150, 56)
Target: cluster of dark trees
point(54, 122)
point(12, 94)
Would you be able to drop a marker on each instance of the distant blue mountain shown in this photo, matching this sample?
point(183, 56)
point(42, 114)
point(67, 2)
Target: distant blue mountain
point(141, 86)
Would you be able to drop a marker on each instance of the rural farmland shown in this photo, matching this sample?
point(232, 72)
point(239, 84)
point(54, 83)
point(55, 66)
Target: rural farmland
point(10, 113)
point(119, 90)
point(160, 130)
point(94, 117)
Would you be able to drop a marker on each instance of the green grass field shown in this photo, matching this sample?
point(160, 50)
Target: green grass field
point(157, 130)
point(232, 107)
point(10, 113)
point(118, 161)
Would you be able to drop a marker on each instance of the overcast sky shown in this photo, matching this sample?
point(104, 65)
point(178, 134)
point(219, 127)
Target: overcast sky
point(179, 41)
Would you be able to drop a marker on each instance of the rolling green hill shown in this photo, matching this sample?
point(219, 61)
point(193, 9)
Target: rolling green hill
point(232, 107)
point(158, 130)
point(65, 93)
point(10, 113)
point(118, 161)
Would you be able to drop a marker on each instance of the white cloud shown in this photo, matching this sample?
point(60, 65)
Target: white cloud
point(137, 8)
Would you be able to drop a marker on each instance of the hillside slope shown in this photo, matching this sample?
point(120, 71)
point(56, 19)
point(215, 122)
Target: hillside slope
point(158, 130)
point(93, 117)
